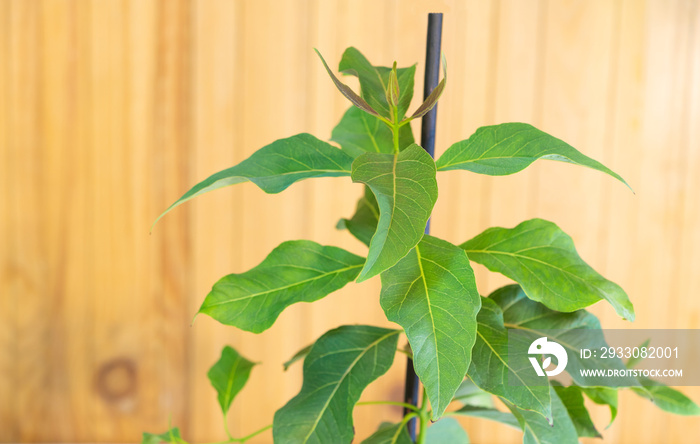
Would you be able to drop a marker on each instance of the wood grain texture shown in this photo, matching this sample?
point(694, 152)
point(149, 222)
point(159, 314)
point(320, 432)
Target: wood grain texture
point(111, 109)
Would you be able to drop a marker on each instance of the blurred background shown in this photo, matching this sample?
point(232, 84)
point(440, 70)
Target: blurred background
point(110, 110)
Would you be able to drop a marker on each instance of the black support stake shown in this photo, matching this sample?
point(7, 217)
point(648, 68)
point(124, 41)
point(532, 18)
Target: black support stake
point(432, 76)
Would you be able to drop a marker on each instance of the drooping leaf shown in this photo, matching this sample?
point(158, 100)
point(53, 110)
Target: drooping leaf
point(298, 356)
point(276, 166)
point(434, 96)
point(543, 260)
point(491, 370)
point(538, 431)
point(359, 132)
point(507, 148)
point(470, 395)
point(389, 433)
point(374, 79)
point(666, 398)
point(432, 294)
point(405, 187)
point(363, 223)
point(295, 271)
point(489, 413)
point(573, 331)
point(447, 430)
point(229, 375)
point(603, 396)
point(339, 367)
point(572, 398)
point(171, 436)
point(346, 91)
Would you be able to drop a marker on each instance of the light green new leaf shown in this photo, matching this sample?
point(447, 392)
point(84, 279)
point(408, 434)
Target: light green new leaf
point(491, 370)
point(276, 166)
point(432, 294)
point(229, 375)
point(507, 148)
point(543, 260)
point(603, 396)
point(295, 271)
point(489, 413)
point(374, 79)
point(339, 367)
point(363, 223)
point(359, 132)
point(667, 399)
point(574, 331)
point(389, 433)
point(405, 187)
point(298, 356)
point(538, 431)
point(572, 398)
point(447, 430)
point(470, 395)
point(172, 436)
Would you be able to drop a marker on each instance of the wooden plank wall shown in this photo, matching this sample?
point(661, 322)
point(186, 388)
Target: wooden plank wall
point(111, 109)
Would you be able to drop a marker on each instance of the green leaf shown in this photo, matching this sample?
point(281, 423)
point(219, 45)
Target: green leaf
point(295, 271)
point(632, 361)
point(507, 148)
point(667, 399)
point(490, 368)
point(339, 367)
point(405, 187)
point(603, 396)
point(359, 132)
point(574, 331)
point(447, 430)
point(572, 398)
point(432, 294)
point(489, 413)
point(298, 356)
point(363, 223)
point(470, 395)
point(539, 431)
point(171, 436)
point(229, 375)
point(543, 260)
point(389, 433)
point(434, 96)
point(276, 166)
point(373, 81)
point(346, 91)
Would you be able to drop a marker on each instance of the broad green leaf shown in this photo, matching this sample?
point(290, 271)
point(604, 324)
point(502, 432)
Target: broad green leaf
point(490, 368)
point(489, 413)
point(363, 223)
point(276, 166)
point(573, 331)
point(667, 399)
point(389, 433)
point(229, 375)
point(359, 132)
point(470, 395)
point(374, 79)
point(298, 356)
point(171, 436)
point(295, 271)
point(603, 396)
point(432, 294)
point(339, 367)
point(405, 187)
point(543, 260)
point(507, 148)
point(572, 398)
point(346, 91)
point(447, 430)
point(538, 431)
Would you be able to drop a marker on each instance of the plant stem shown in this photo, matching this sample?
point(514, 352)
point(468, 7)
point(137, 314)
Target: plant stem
point(424, 418)
point(228, 433)
point(245, 438)
point(400, 404)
